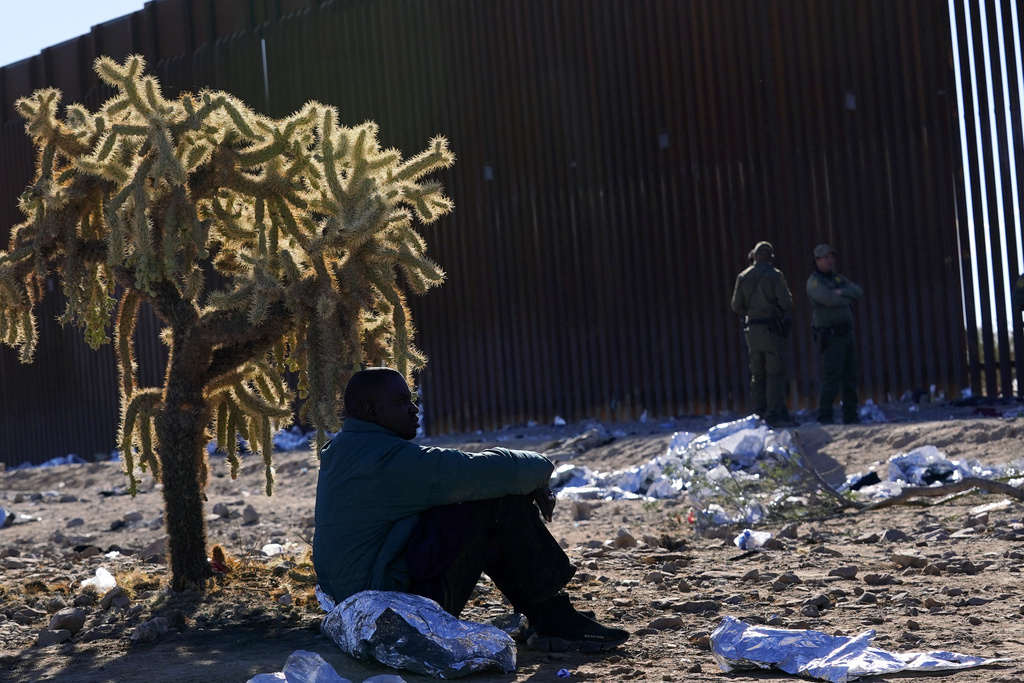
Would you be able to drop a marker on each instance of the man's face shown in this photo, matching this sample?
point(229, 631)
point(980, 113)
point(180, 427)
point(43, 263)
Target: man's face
point(826, 263)
point(392, 407)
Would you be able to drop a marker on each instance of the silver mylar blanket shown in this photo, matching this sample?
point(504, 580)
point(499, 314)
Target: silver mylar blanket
point(737, 645)
point(411, 632)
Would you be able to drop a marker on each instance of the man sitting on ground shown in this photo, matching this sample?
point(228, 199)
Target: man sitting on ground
point(395, 516)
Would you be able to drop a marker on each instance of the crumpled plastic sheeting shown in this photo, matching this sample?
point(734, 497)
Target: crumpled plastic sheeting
point(926, 466)
point(730, 450)
point(412, 632)
point(730, 457)
point(302, 667)
point(736, 645)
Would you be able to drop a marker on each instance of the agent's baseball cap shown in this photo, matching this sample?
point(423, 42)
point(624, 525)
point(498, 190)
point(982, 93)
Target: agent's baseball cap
point(823, 250)
point(763, 248)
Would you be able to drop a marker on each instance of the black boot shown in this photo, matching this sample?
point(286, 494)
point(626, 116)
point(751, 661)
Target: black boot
point(560, 628)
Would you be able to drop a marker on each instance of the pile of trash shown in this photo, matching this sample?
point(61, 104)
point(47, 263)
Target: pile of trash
point(733, 473)
point(739, 471)
point(925, 466)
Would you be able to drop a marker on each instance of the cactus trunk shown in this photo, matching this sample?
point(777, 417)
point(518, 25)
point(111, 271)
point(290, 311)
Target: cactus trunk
point(180, 428)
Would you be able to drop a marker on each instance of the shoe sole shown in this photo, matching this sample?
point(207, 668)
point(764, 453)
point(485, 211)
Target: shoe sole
point(555, 644)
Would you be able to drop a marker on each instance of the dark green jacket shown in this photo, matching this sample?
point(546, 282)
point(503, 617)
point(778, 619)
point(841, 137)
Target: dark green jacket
point(829, 308)
point(372, 487)
point(761, 292)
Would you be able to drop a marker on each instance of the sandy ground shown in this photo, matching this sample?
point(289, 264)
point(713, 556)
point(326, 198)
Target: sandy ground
point(944, 577)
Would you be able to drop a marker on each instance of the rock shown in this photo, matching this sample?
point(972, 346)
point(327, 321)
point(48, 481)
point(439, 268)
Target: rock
point(789, 531)
point(654, 577)
point(286, 600)
point(87, 552)
point(108, 598)
point(47, 637)
point(13, 563)
point(821, 601)
point(249, 515)
point(977, 521)
point(27, 615)
point(904, 561)
point(150, 630)
point(894, 536)
point(789, 578)
point(974, 621)
point(697, 606)
point(624, 539)
point(77, 521)
point(701, 640)
point(868, 598)
point(867, 538)
point(221, 510)
point(55, 604)
point(155, 551)
point(70, 619)
point(68, 498)
point(825, 550)
point(650, 540)
point(84, 600)
point(132, 516)
point(665, 623)
point(810, 611)
point(753, 575)
point(879, 579)
point(846, 572)
point(101, 632)
point(913, 625)
point(685, 587)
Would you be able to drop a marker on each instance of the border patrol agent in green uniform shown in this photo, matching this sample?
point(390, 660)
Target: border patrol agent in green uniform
point(763, 299)
point(832, 296)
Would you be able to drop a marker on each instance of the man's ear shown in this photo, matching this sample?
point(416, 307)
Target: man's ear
point(369, 410)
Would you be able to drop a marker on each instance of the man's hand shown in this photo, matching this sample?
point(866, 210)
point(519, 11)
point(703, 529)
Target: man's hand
point(544, 497)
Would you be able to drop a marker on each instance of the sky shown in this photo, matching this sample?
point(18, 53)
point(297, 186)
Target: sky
point(28, 26)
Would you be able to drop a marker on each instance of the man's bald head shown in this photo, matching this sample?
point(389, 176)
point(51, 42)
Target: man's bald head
point(382, 396)
point(365, 386)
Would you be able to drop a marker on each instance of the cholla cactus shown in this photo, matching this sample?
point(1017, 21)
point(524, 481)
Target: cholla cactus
point(307, 222)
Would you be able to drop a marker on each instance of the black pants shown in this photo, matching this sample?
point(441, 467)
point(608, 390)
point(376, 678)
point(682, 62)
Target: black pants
point(502, 537)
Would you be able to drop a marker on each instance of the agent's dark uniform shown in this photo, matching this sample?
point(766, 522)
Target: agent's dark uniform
point(762, 297)
point(832, 296)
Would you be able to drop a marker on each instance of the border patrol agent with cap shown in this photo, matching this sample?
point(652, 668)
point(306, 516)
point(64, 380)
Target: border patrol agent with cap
point(763, 299)
point(832, 296)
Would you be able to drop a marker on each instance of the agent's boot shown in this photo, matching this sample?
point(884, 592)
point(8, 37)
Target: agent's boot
point(560, 628)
